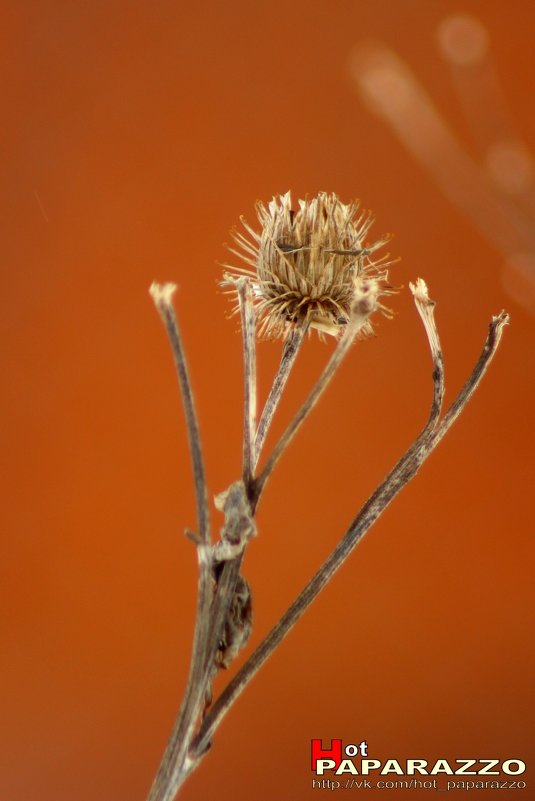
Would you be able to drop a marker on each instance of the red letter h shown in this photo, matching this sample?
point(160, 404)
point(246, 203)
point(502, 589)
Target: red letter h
point(334, 752)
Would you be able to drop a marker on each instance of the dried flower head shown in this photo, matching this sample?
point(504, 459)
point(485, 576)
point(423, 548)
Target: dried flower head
point(310, 264)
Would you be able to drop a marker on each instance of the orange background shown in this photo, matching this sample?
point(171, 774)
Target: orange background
point(135, 134)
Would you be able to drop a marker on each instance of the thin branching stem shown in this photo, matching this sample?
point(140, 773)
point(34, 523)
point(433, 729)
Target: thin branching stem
point(405, 469)
point(162, 296)
point(249, 379)
point(289, 355)
point(496, 327)
point(166, 782)
point(426, 309)
point(355, 324)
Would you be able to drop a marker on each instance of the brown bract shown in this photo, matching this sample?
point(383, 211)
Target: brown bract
point(310, 264)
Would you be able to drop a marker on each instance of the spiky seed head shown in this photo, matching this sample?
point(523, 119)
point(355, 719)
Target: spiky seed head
point(310, 263)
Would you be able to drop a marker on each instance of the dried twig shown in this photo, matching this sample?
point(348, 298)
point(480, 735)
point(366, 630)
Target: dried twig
point(249, 380)
point(164, 787)
point(360, 314)
point(345, 294)
point(162, 295)
point(289, 355)
point(405, 469)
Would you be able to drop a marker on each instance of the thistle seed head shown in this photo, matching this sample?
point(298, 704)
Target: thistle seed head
point(310, 264)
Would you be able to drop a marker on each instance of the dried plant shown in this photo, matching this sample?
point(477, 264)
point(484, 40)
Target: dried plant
point(306, 269)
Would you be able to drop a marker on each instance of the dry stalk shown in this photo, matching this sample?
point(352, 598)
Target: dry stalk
point(223, 621)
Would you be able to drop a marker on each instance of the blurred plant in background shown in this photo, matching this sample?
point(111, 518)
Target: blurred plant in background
point(496, 188)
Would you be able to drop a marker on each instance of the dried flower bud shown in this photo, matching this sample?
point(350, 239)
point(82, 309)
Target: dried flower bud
point(313, 264)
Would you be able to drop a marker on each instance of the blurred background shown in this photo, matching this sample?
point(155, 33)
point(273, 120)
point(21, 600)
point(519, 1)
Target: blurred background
point(135, 135)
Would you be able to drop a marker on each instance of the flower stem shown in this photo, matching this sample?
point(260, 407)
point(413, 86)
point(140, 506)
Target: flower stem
point(289, 355)
point(249, 380)
point(405, 469)
point(162, 296)
point(358, 320)
point(166, 782)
